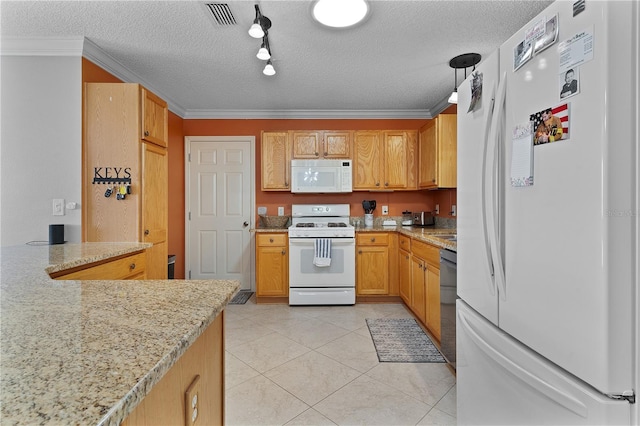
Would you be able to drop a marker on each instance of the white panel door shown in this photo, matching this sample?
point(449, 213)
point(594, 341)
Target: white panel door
point(219, 210)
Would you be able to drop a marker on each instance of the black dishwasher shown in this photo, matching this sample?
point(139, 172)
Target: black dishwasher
point(448, 295)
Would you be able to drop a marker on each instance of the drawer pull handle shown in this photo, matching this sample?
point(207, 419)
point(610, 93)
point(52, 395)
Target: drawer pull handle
point(132, 266)
point(373, 240)
point(270, 240)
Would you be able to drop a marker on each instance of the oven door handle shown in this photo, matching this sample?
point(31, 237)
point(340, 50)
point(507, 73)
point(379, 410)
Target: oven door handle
point(334, 241)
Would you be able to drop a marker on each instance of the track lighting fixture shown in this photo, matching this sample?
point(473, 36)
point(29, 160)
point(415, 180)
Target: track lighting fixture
point(465, 61)
point(260, 29)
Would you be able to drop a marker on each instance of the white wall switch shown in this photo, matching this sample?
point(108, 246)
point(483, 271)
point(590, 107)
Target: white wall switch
point(385, 209)
point(280, 211)
point(58, 206)
point(437, 208)
point(262, 210)
point(454, 210)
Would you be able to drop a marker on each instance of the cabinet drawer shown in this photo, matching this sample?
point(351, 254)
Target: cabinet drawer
point(404, 242)
point(427, 252)
point(371, 239)
point(271, 239)
point(128, 267)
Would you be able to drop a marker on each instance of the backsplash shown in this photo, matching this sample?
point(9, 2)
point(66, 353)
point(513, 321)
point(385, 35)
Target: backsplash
point(441, 222)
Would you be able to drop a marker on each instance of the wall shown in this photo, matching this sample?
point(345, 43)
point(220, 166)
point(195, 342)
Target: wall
point(40, 151)
point(397, 201)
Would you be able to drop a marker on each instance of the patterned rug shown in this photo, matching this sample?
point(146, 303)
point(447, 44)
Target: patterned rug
point(402, 340)
point(241, 298)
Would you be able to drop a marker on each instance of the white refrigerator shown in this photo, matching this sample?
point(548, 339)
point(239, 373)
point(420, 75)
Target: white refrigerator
point(548, 248)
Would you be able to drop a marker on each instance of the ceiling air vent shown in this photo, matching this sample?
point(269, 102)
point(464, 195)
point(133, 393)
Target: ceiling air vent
point(221, 13)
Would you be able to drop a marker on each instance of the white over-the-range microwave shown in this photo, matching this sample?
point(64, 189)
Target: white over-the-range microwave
point(321, 176)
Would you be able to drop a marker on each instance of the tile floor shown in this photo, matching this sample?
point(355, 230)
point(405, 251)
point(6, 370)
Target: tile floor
point(308, 365)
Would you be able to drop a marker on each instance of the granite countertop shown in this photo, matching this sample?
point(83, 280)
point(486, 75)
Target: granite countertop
point(427, 235)
point(87, 352)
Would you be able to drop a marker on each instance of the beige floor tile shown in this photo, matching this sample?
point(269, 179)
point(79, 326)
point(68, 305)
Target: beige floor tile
point(438, 418)
point(428, 382)
point(243, 331)
point(310, 418)
point(311, 332)
point(268, 352)
point(236, 371)
point(369, 402)
point(259, 401)
point(353, 350)
point(448, 403)
point(312, 376)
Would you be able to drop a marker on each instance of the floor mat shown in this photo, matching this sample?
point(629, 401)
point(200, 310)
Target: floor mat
point(241, 298)
point(402, 340)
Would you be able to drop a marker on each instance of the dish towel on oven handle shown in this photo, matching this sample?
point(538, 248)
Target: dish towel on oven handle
point(322, 252)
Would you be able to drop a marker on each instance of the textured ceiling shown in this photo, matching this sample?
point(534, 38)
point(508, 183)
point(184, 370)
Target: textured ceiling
point(396, 63)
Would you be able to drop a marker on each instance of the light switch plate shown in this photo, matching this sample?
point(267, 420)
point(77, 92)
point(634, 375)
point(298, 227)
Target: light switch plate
point(280, 211)
point(262, 210)
point(58, 206)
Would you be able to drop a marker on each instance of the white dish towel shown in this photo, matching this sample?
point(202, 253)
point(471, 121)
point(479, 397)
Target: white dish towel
point(322, 252)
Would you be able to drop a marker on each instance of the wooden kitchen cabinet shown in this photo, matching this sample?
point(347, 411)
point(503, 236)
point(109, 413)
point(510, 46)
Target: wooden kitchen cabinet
point(125, 135)
point(438, 153)
point(385, 160)
point(166, 402)
point(425, 285)
point(321, 144)
point(276, 161)
point(126, 267)
point(272, 266)
point(372, 264)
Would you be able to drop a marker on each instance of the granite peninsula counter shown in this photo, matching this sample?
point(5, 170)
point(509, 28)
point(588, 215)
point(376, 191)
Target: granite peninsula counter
point(87, 352)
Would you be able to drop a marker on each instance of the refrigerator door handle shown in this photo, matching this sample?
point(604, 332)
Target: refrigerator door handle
point(494, 184)
point(483, 186)
point(541, 386)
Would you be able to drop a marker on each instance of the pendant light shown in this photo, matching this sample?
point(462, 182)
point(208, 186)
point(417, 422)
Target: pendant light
point(269, 69)
point(260, 29)
point(465, 61)
point(260, 24)
point(263, 52)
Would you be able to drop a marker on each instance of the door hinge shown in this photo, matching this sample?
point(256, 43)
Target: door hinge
point(629, 396)
point(189, 157)
point(189, 215)
point(189, 274)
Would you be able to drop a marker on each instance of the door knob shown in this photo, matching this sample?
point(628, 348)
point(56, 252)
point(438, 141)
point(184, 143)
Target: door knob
point(245, 224)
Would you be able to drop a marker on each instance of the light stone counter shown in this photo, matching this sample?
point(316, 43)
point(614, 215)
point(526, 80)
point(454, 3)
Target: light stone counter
point(87, 352)
point(427, 235)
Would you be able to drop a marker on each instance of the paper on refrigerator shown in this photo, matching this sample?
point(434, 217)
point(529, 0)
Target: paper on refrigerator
point(522, 155)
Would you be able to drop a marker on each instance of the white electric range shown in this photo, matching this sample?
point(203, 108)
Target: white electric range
point(328, 285)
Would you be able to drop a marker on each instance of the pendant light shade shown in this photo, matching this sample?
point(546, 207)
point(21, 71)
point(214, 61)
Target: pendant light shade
point(269, 69)
point(263, 53)
point(256, 31)
point(453, 99)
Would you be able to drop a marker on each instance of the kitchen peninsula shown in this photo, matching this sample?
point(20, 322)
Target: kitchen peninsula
point(89, 352)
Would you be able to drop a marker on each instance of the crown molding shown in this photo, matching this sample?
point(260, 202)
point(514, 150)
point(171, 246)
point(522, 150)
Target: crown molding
point(308, 114)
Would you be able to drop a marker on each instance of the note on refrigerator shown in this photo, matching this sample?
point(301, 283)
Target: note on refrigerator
point(522, 155)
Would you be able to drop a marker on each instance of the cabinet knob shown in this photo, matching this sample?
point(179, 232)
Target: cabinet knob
point(146, 232)
point(433, 180)
point(386, 184)
point(146, 133)
point(373, 239)
point(359, 251)
point(407, 257)
point(284, 251)
point(325, 154)
point(132, 266)
point(317, 154)
point(270, 240)
point(377, 183)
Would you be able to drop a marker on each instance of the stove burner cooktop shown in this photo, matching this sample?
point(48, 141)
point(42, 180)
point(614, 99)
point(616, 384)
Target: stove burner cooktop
point(321, 225)
point(336, 225)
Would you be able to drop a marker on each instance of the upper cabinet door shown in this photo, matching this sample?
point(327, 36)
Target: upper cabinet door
point(367, 160)
point(399, 164)
point(276, 161)
point(337, 144)
point(155, 117)
point(306, 145)
point(438, 153)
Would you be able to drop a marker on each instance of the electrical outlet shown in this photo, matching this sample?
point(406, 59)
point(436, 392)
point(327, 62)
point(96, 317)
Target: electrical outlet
point(58, 207)
point(437, 208)
point(454, 210)
point(385, 210)
point(191, 402)
point(280, 211)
